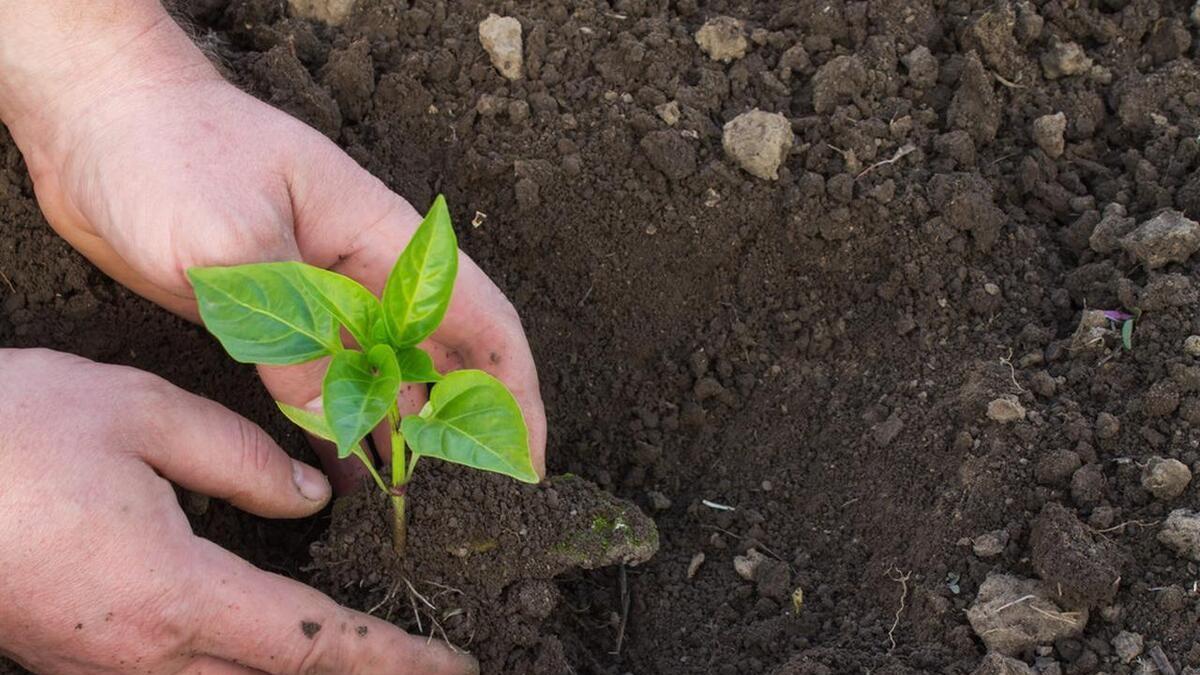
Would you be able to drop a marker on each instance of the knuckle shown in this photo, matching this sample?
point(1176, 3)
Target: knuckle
point(324, 652)
point(256, 452)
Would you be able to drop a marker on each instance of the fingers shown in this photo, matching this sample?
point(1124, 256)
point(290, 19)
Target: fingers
point(208, 449)
point(207, 665)
point(266, 621)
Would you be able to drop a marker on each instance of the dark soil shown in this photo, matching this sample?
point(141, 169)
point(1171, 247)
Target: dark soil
point(818, 352)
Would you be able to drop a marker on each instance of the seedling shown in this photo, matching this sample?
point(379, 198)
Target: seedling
point(1127, 322)
point(287, 313)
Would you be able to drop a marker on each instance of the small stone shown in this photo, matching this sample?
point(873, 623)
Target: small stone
point(1195, 15)
point(759, 142)
point(668, 112)
point(1064, 59)
point(1107, 426)
point(658, 501)
point(501, 39)
point(746, 566)
point(332, 12)
point(1012, 615)
point(1181, 533)
point(990, 544)
point(991, 289)
point(1048, 133)
point(1166, 479)
point(723, 38)
point(1128, 646)
point(1005, 410)
point(998, 664)
point(1168, 237)
point(922, 67)
point(1192, 345)
point(694, 566)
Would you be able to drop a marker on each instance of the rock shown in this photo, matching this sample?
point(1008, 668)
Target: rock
point(840, 80)
point(1166, 238)
point(1191, 345)
point(1088, 485)
point(974, 107)
point(759, 142)
point(1005, 409)
point(1128, 646)
point(1056, 467)
point(723, 38)
point(1107, 426)
point(990, 544)
point(1012, 615)
point(1064, 59)
point(668, 112)
point(670, 153)
point(1106, 236)
point(922, 67)
point(501, 39)
point(1048, 133)
point(1166, 479)
point(1195, 14)
point(998, 664)
point(332, 12)
point(694, 565)
point(1181, 533)
point(1081, 569)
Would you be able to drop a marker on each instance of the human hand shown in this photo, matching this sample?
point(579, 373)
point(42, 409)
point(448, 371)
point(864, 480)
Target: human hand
point(154, 164)
point(99, 570)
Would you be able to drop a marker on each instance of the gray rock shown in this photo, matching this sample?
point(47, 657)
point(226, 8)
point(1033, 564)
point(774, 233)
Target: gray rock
point(1128, 646)
point(1005, 409)
point(759, 142)
point(1012, 615)
point(723, 38)
point(1048, 133)
point(1064, 59)
point(1181, 533)
point(1166, 479)
point(501, 39)
point(332, 12)
point(1191, 345)
point(998, 664)
point(990, 544)
point(1166, 238)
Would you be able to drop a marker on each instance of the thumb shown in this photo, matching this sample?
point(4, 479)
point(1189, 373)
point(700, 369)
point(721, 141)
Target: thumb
point(212, 450)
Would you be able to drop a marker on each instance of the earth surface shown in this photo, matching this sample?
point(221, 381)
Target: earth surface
point(848, 396)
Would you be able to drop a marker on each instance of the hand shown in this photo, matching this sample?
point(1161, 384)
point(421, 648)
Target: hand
point(167, 166)
point(99, 570)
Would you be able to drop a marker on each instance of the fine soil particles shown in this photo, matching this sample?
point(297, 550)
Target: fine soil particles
point(848, 390)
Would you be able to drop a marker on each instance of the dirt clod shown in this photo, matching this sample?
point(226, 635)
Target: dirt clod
point(670, 153)
point(1181, 533)
point(1057, 467)
point(759, 142)
point(1082, 569)
point(332, 12)
point(501, 39)
point(723, 38)
point(1005, 410)
point(1064, 59)
point(1128, 646)
point(1048, 133)
point(838, 81)
point(1168, 237)
point(1166, 479)
point(1012, 615)
point(1191, 345)
point(999, 664)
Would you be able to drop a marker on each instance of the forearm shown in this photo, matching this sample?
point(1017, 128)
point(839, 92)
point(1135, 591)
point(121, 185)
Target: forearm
point(60, 59)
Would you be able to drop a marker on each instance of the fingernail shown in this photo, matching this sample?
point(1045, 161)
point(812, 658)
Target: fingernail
point(311, 484)
point(313, 405)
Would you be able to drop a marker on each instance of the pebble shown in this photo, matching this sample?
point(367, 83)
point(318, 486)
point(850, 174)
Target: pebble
point(990, 544)
point(332, 12)
point(723, 38)
point(1107, 425)
point(658, 501)
point(1128, 646)
point(694, 566)
point(1192, 345)
point(1181, 533)
point(1012, 615)
point(1048, 134)
point(1166, 479)
point(1005, 410)
point(501, 39)
point(759, 142)
point(668, 112)
point(1064, 59)
point(746, 566)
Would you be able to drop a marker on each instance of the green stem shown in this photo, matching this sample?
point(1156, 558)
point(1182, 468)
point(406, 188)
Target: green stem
point(400, 476)
point(362, 457)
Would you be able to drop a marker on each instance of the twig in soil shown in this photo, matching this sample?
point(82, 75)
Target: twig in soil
point(8, 282)
point(1121, 526)
point(1012, 372)
point(624, 585)
point(719, 507)
point(903, 150)
point(1026, 598)
point(901, 578)
point(1008, 83)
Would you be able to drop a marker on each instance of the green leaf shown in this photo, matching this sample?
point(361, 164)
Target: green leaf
point(416, 365)
point(473, 419)
point(1127, 334)
point(264, 313)
point(346, 299)
point(357, 393)
point(418, 289)
point(311, 422)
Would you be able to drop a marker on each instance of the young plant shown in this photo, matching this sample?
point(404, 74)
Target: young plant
point(288, 313)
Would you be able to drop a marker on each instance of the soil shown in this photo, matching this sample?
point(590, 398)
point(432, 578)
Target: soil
point(818, 352)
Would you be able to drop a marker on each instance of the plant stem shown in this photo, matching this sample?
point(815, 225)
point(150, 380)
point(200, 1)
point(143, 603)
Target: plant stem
point(362, 457)
point(400, 476)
